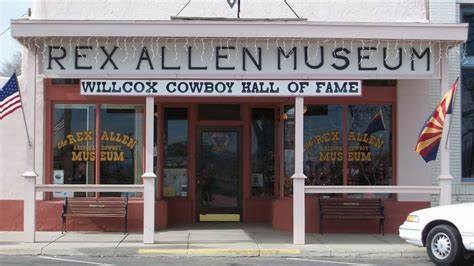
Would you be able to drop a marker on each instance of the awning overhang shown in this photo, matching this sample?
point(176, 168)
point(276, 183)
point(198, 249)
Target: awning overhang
point(452, 33)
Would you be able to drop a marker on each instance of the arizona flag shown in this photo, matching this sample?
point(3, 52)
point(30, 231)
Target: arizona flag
point(376, 124)
point(430, 136)
point(10, 98)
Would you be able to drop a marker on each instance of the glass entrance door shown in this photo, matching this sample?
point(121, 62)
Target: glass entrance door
point(218, 174)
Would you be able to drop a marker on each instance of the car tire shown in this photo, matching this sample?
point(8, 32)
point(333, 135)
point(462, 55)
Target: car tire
point(444, 245)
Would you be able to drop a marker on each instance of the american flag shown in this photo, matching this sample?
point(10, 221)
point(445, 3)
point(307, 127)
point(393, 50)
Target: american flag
point(10, 99)
point(430, 136)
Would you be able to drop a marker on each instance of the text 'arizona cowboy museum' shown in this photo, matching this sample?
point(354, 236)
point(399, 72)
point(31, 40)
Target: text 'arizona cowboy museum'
point(226, 119)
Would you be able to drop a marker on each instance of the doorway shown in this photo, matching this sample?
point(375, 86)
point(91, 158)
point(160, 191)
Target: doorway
point(218, 174)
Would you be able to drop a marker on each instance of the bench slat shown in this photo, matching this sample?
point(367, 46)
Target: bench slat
point(343, 208)
point(109, 207)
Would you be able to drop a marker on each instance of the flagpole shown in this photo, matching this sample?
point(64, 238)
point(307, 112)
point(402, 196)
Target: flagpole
point(23, 112)
point(452, 108)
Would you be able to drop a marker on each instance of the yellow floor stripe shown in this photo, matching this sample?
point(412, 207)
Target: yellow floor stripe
point(219, 217)
point(208, 252)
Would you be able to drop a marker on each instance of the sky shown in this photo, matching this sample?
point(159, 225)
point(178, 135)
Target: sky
point(10, 9)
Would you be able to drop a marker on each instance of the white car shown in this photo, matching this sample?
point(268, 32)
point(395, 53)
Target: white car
point(447, 232)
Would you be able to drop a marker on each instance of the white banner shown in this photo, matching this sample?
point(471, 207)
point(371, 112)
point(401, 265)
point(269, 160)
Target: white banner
point(222, 87)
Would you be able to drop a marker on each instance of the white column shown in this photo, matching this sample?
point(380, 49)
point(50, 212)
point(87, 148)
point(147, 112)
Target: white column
point(149, 176)
point(299, 177)
point(445, 179)
point(29, 208)
point(28, 92)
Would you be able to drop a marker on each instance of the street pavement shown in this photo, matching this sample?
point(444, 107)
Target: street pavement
point(205, 261)
point(211, 240)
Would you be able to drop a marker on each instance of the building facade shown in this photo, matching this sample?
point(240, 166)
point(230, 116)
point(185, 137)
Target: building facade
point(223, 92)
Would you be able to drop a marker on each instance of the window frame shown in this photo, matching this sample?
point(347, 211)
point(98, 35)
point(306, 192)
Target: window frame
point(69, 94)
point(161, 140)
point(371, 96)
point(276, 150)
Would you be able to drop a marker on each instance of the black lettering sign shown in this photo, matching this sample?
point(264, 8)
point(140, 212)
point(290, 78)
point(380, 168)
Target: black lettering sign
point(163, 66)
point(258, 64)
point(361, 56)
point(287, 55)
point(109, 57)
point(420, 56)
point(306, 58)
point(220, 56)
point(336, 54)
point(56, 58)
point(190, 65)
point(145, 56)
point(385, 64)
point(80, 55)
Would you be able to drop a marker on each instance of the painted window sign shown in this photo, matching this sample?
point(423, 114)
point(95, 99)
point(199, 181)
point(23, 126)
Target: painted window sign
point(111, 152)
point(358, 152)
point(234, 57)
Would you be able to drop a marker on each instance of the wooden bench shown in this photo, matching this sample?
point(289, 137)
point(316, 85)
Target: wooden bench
point(110, 207)
point(347, 208)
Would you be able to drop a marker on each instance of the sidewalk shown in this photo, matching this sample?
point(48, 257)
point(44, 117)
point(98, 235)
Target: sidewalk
point(208, 240)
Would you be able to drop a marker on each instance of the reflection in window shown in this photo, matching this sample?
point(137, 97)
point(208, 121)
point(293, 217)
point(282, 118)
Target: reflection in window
point(263, 138)
point(121, 144)
point(323, 150)
point(73, 132)
point(176, 140)
point(370, 144)
point(467, 96)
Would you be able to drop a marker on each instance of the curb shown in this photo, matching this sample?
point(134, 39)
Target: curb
point(222, 252)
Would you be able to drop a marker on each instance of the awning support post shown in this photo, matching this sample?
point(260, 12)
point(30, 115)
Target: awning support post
point(149, 176)
point(299, 177)
point(445, 178)
point(29, 176)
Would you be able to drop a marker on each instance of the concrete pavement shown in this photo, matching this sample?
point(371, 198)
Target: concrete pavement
point(209, 240)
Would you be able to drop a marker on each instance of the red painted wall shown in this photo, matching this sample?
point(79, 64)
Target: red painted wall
point(258, 210)
point(48, 217)
point(180, 211)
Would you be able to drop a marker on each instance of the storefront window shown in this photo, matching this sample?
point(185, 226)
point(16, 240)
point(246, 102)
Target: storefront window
point(323, 150)
point(369, 144)
point(368, 140)
point(175, 165)
point(467, 98)
point(73, 139)
point(263, 140)
point(121, 144)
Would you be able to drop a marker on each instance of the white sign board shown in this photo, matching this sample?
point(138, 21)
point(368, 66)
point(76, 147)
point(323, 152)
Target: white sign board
point(223, 88)
point(229, 58)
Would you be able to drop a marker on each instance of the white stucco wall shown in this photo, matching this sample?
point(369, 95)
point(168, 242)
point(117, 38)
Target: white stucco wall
point(313, 10)
point(413, 108)
point(447, 11)
point(13, 141)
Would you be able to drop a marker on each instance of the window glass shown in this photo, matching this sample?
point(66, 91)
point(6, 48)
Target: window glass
point(263, 140)
point(176, 141)
point(468, 17)
point(323, 150)
point(121, 145)
point(467, 98)
point(288, 148)
point(369, 144)
point(73, 139)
